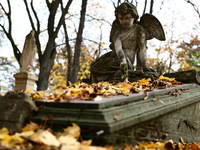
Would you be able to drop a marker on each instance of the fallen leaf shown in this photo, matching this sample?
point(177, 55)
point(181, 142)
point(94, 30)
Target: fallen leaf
point(30, 126)
point(73, 131)
point(98, 98)
point(166, 78)
point(45, 137)
point(4, 131)
point(144, 81)
point(25, 133)
point(116, 118)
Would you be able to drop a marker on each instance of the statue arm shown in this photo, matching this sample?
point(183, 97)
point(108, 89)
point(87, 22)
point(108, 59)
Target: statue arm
point(119, 51)
point(142, 47)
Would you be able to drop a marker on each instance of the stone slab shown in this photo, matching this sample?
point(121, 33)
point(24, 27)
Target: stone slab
point(128, 114)
point(15, 108)
point(112, 101)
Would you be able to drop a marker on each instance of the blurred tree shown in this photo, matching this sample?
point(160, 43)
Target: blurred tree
point(189, 56)
point(46, 57)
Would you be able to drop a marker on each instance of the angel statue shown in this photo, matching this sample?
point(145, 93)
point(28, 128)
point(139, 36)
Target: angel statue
point(28, 53)
point(128, 40)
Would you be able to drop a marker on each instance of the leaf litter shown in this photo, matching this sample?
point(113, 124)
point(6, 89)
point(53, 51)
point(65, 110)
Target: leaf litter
point(34, 136)
point(96, 91)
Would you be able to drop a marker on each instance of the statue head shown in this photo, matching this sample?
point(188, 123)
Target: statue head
point(126, 8)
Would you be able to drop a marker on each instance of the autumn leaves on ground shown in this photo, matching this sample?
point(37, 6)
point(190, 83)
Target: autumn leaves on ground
point(34, 136)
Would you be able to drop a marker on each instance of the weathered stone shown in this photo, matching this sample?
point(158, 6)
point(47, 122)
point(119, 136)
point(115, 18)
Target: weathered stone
point(15, 108)
point(190, 76)
point(127, 41)
point(24, 81)
point(131, 118)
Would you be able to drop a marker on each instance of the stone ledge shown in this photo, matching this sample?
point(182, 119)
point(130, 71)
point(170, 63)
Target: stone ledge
point(128, 114)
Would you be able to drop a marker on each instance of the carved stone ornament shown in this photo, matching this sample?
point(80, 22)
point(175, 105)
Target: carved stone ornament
point(128, 40)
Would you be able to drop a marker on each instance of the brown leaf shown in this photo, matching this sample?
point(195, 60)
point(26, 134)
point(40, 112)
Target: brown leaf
point(116, 118)
point(30, 126)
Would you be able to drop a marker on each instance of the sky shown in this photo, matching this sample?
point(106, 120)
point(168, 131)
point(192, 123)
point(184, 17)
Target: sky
point(177, 17)
point(178, 12)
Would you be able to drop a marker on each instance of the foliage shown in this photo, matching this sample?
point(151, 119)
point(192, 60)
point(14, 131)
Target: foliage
point(189, 56)
point(58, 74)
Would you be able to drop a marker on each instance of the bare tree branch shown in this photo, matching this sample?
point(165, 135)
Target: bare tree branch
point(29, 15)
point(145, 6)
point(62, 18)
point(48, 3)
point(68, 48)
point(136, 2)
point(151, 7)
point(8, 33)
point(113, 3)
point(194, 6)
point(38, 30)
point(100, 20)
point(3, 9)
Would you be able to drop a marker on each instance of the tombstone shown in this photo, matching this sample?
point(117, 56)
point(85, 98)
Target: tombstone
point(25, 79)
point(130, 119)
point(15, 108)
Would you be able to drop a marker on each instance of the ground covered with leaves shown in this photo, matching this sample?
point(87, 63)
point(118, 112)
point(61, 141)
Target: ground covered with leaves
point(35, 137)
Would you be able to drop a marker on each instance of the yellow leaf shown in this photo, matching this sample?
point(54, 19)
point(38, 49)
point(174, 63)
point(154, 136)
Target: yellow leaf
point(42, 93)
point(69, 140)
point(45, 137)
point(166, 78)
point(73, 130)
point(4, 131)
point(75, 91)
point(25, 134)
point(144, 81)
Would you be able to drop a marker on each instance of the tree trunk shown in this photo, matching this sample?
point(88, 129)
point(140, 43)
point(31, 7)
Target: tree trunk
point(46, 65)
point(47, 58)
point(78, 43)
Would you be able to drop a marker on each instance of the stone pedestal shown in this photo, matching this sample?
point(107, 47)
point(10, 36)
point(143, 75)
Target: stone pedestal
point(130, 119)
point(24, 81)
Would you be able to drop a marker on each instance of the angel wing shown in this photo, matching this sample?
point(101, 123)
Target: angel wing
point(115, 26)
point(152, 27)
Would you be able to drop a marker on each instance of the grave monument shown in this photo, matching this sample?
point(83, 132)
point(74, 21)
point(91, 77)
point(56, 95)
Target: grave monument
point(25, 79)
point(166, 114)
point(17, 107)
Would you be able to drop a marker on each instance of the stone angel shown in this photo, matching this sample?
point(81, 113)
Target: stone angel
point(128, 39)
